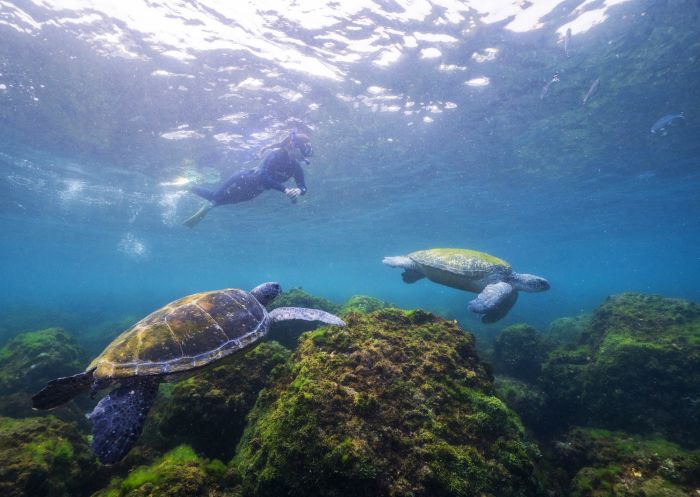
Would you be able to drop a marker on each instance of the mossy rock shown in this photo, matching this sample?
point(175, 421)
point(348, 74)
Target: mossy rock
point(364, 304)
point(519, 351)
point(31, 359)
point(287, 333)
point(637, 368)
point(568, 330)
point(45, 457)
point(178, 473)
point(395, 403)
point(617, 464)
point(208, 410)
point(526, 400)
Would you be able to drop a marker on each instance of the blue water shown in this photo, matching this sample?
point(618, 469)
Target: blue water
point(103, 108)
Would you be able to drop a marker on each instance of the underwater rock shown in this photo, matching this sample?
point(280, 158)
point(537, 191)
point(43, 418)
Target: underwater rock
point(178, 473)
point(636, 368)
point(519, 351)
point(31, 359)
point(364, 304)
point(287, 333)
point(45, 457)
point(526, 400)
point(569, 329)
point(395, 403)
point(616, 464)
point(208, 410)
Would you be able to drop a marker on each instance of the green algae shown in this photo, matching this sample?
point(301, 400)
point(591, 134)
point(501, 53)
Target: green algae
point(364, 304)
point(45, 457)
point(396, 403)
point(208, 410)
point(519, 352)
point(617, 464)
point(458, 254)
point(178, 473)
point(634, 368)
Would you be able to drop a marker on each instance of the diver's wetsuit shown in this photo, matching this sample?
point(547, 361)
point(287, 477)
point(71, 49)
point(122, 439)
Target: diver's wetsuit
point(275, 168)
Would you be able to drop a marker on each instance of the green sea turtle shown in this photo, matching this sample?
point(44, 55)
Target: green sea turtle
point(492, 278)
point(185, 335)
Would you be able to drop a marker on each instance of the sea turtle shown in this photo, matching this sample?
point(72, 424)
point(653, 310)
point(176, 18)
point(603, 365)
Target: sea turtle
point(492, 278)
point(182, 336)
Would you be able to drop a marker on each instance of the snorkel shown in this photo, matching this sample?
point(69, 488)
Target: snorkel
point(303, 145)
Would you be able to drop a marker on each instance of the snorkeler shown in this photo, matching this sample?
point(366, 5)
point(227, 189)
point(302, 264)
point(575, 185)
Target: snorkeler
point(280, 162)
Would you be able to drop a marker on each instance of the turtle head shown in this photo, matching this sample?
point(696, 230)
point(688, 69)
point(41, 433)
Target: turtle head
point(529, 282)
point(267, 292)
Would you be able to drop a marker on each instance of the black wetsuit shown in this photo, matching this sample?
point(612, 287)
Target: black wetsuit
point(275, 168)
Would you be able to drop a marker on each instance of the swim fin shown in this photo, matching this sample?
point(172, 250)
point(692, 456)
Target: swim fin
point(192, 221)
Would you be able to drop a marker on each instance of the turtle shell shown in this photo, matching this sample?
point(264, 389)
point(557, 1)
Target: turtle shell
point(185, 334)
point(464, 269)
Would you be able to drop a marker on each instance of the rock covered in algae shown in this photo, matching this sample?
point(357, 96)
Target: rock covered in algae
point(34, 357)
point(527, 400)
point(364, 304)
point(395, 403)
point(519, 351)
point(635, 368)
point(208, 410)
point(616, 464)
point(178, 473)
point(568, 329)
point(44, 457)
point(287, 333)
point(30, 360)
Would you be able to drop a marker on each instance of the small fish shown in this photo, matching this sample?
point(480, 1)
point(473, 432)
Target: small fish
point(545, 88)
point(567, 42)
point(592, 91)
point(665, 122)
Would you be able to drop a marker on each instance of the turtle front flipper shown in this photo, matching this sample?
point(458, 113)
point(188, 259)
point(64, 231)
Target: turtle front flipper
point(290, 313)
point(117, 420)
point(411, 273)
point(494, 302)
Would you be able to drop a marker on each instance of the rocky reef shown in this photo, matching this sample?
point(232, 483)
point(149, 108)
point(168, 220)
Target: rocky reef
point(636, 367)
point(616, 464)
point(364, 304)
point(209, 410)
point(396, 403)
point(31, 359)
point(45, 457)
point(178, 473)
point(519, 351)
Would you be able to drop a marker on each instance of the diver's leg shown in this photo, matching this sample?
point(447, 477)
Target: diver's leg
point(205, 193)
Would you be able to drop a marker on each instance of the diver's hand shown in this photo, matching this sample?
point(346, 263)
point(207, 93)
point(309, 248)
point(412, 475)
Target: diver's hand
point(292, 193)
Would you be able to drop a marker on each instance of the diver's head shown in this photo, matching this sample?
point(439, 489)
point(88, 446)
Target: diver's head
point(299, 144)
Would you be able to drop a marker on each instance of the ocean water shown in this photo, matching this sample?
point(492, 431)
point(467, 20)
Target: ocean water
point(434, 124)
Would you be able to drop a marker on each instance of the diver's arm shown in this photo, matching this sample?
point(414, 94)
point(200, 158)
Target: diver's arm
point(299, 178)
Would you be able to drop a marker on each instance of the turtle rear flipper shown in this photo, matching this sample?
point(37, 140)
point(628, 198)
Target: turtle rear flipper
point(117, 420)
point(494, 301)
point(290, 313)
point(61, 390)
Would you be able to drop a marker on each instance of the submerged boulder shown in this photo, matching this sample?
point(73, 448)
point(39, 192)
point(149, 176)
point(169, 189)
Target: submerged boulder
point(519, 351)
point(568, 330)
point(45, 457)
point(208, 410)
point(178, 473)
point(617, 464)
point(29, 361)
point(364, 304)
point(395, 403)
point(637, 368)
